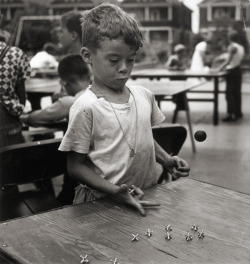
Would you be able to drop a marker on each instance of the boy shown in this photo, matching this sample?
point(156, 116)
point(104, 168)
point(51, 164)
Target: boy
point(71, 32)
point(232, 64)
point(109, 138)
point(75, 78)
point(178, 60)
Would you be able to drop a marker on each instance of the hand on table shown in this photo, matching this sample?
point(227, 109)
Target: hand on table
point(177, 167)
point(133, 197)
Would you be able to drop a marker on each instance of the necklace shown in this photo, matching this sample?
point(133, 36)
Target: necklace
point(132, 149)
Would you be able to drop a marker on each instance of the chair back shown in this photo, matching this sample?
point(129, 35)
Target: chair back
point(170, 137)
point(31, 162)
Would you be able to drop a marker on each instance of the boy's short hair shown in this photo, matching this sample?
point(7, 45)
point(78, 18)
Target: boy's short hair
point(71, 20)
point(108, 21)
point(73, 66)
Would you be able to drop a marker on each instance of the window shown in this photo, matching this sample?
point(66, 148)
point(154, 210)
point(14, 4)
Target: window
point(220, 13)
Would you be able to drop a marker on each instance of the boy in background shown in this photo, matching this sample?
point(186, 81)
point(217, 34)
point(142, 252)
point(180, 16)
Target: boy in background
point(178, 61)
point(109, 138)
point(232, 64)
point(75, 77)
point(71, 32)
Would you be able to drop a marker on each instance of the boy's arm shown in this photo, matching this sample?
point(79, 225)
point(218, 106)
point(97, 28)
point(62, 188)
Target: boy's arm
point(176, 166)
point(53, 113)
point(232, 51)
point(171, 64)
point(21, 92)
point(77, 168)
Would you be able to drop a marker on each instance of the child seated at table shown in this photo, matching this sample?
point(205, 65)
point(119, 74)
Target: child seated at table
point(178, 61)
point(75, 78)
point(109, 137)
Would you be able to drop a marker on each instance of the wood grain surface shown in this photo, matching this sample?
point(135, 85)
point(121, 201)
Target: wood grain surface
point(164, 73)
point(166, 88)
point(103, 229)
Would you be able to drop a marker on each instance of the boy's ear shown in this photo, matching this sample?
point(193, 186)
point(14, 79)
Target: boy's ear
point(86, 55)
point(74, 35)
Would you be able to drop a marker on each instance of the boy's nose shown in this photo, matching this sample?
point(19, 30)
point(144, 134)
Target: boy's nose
point(123, 67)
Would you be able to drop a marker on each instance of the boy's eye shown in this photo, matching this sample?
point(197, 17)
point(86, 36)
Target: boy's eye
point(131, 59)
point(113, 60)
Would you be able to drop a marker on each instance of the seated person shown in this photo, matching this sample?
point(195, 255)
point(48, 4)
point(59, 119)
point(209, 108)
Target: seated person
point(177, 61)
point(45, 59)
point(75, 78)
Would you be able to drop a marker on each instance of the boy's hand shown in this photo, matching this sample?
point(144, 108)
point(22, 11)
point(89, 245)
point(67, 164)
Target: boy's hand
point(133, 197)
point(177, 167)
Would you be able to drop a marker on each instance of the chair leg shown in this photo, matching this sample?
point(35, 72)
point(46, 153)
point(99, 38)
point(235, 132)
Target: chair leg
point(15, 208)
point(189, 123)
point(175, 115)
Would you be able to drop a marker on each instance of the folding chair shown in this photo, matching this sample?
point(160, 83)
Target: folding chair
point(171, 138)
point(34, 162)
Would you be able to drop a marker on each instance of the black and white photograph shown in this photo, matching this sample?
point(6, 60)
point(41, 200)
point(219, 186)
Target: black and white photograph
point(124, 131)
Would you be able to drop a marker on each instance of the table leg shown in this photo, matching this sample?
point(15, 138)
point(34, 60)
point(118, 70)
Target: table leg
point(216, 92)
point(189, 121)
point(35, 100)
point(182, 104)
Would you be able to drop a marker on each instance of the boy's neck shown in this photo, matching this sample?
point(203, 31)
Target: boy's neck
point(117, 96)
point(75, 48)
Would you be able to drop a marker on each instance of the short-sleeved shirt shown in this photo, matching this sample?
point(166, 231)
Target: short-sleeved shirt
point(94, 130)
point(238, 55)
point(13, 68)
point(57, 111)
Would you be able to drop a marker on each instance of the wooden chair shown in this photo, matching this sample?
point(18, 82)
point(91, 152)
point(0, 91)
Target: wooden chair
point(171, 138)
point(34, 162)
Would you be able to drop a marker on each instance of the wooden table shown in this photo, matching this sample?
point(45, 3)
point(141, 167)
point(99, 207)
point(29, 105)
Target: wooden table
point(164, 88)
point(164, 73)
point(103, 230)
point(37, 88)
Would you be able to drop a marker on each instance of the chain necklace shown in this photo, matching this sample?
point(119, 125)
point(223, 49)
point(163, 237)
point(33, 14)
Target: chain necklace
point(132, 149)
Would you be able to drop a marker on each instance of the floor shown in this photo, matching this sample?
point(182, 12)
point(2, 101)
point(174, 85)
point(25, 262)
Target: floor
point(223, 159)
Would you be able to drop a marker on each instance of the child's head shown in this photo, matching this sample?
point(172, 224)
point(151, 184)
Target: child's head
point(111, 39)
point(108, 21)
point(74, 74)
point(71, 29)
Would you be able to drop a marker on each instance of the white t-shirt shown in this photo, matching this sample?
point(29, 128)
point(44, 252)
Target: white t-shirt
point(238, 55)
point(94, 130)
point(43, 60)
point(54, 112)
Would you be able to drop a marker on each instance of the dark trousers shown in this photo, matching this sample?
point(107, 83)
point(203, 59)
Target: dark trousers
point(233, 92)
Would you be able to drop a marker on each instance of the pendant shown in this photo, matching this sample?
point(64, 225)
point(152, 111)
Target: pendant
point(132, 153)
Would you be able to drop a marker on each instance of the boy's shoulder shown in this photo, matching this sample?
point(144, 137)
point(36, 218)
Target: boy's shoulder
point(140, 89)
point(85, 99)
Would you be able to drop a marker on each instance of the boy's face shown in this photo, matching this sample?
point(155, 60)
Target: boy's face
point(112, 63)
point(181, 54)
point(65, 37)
